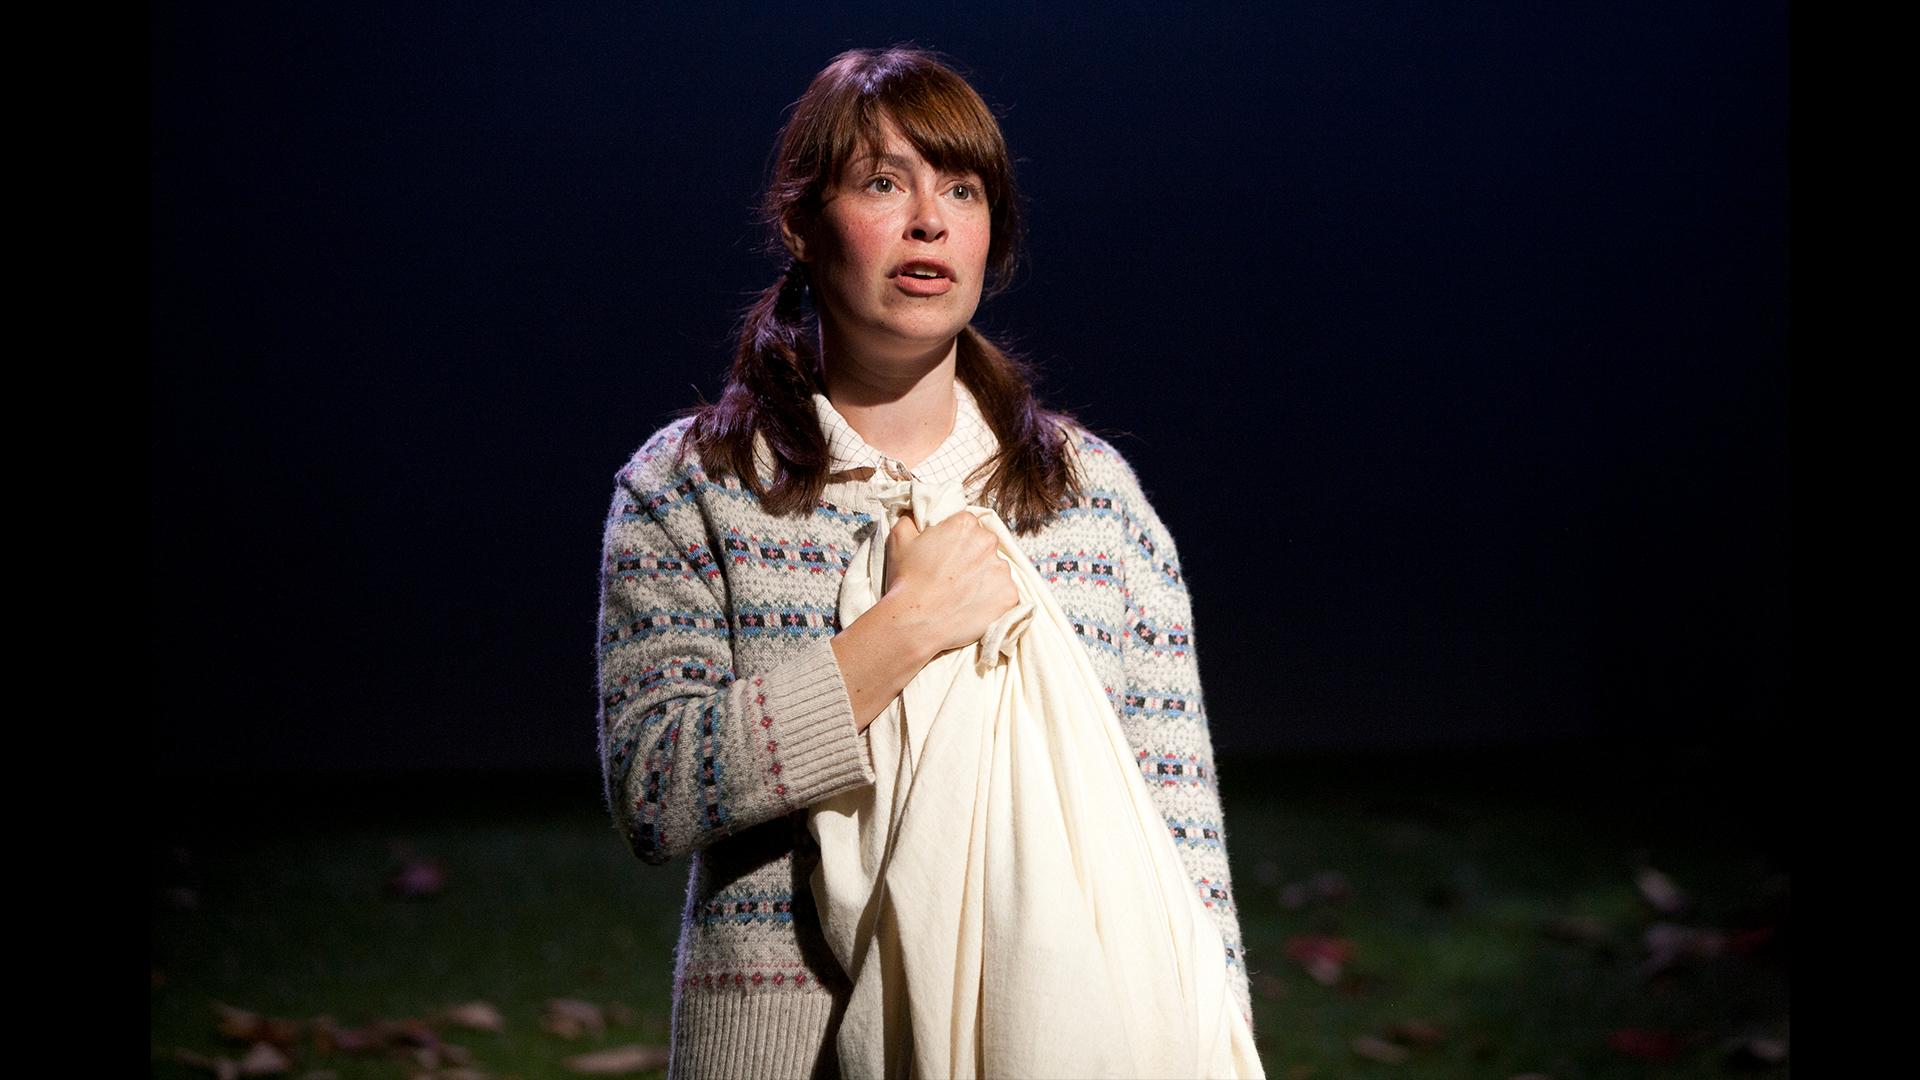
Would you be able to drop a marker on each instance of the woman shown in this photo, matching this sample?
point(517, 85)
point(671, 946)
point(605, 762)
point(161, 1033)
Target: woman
point(731, 699)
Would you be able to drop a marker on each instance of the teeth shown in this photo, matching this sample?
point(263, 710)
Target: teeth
point(923, 273)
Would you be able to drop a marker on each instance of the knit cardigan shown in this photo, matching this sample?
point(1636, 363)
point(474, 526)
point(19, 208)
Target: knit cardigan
point(723, 716)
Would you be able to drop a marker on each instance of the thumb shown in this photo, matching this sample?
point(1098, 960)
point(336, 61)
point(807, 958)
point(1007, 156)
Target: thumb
point(903, 530)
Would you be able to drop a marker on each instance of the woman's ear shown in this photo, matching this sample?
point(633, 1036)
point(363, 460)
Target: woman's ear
point(793, 235)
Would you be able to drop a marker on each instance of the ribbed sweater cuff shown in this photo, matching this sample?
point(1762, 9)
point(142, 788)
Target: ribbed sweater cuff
point(778, 1035)
point(821, 752)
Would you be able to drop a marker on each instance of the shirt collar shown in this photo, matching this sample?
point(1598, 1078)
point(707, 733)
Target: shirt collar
point(970, 443)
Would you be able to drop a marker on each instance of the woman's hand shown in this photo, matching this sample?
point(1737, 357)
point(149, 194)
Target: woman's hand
point(949, 580)
point(944, 588)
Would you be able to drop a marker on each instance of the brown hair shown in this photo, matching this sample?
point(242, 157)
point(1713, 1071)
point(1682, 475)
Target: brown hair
point(775, 371)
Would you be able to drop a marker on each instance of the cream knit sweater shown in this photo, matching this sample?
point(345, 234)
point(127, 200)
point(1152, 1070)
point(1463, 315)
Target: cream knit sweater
point(723, 716)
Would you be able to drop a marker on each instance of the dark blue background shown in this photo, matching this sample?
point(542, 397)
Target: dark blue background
point(1451, 340)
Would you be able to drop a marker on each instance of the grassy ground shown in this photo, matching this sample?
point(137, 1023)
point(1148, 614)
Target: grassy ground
point(1441, 874)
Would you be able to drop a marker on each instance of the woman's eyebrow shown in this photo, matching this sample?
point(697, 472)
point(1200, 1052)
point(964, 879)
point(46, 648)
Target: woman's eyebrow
point(890, 160)
point(896, 161)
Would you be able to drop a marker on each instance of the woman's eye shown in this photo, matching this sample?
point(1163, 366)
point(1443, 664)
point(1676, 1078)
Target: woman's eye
point(965, 191)
point(882, 184)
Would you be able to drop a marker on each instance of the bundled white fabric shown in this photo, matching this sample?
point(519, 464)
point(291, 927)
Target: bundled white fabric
point(1005, 897)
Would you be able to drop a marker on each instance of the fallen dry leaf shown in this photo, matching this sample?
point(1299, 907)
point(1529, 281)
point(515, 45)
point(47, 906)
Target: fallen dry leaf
point(476, 1015)
point(412, 1031)
point(619, 1060)
point(236, 1024)
point(1660, 891)
point(1757, 1052)
point(1375, 1048)
point(222, 1068)
point(265, 1059)
point(282, 1032)
point(412, 1035)
point(329, 1039)
point(240, 1025)
point(1416, 1032)
point(1644, 1045)
point(571, 1019)
point(1303, 946)
point(1668, 944)
point(1324, 958)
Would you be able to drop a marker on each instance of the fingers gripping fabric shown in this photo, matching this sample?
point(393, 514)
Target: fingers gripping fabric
point(1004, 896)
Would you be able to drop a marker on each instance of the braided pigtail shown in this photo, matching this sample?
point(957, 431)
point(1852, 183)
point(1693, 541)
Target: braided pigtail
point(770, 388)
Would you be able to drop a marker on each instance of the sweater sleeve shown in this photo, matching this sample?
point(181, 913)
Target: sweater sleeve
point(1163, 703)
point(690, 752)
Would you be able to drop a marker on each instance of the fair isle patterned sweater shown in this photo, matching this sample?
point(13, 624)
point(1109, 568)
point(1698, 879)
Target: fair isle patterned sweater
point(723, 716)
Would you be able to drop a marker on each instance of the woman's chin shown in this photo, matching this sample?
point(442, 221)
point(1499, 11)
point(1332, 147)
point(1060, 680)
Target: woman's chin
point(905, 340)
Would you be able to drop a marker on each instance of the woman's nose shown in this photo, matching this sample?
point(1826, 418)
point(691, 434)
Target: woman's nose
point(927, 222)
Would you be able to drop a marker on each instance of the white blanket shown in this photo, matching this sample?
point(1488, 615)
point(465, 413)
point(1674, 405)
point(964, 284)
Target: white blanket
point(1006, 898)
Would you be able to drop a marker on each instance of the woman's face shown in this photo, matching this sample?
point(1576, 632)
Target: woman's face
point(896, 255)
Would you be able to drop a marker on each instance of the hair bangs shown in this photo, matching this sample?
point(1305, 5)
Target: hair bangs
point(952, 132)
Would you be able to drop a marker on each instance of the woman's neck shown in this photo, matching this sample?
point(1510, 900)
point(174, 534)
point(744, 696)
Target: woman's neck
point(904, 415)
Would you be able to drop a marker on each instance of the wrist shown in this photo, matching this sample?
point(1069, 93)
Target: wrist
point(879, 653)
point(909, 628)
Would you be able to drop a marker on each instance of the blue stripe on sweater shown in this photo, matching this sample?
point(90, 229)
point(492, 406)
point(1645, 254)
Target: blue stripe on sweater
point(1152, 702)
point(743, 907)
point(1077, 568)
point(1096, 635)
point(1095, 502)
point(656, 621)
point(747, 549)
point(785, 620)
point(1194, 832)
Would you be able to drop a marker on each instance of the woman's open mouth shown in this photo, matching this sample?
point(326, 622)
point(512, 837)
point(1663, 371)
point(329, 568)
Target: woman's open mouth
point(923, 277)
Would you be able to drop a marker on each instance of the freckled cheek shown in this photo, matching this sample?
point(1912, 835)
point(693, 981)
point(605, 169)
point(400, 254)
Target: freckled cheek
point(867, 251)
point(978, 243)
point(874, 258)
